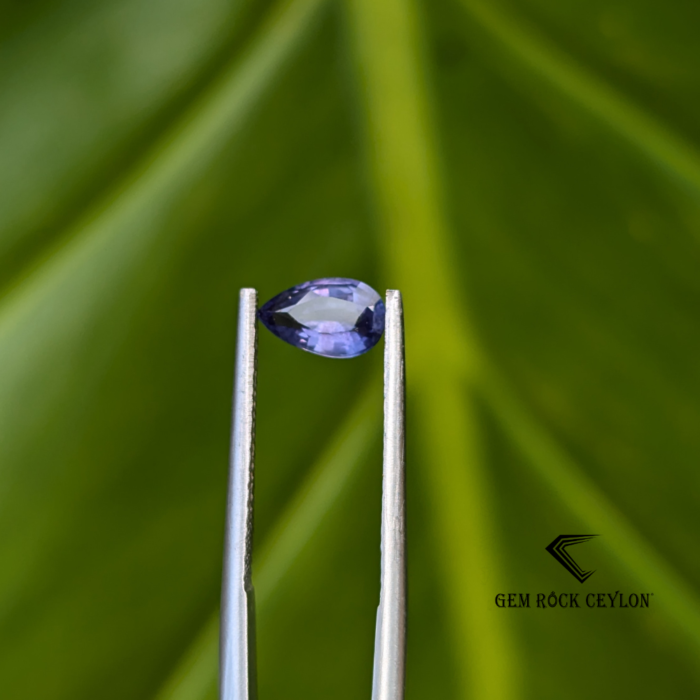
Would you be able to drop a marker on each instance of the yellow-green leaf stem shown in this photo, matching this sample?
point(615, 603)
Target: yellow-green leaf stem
point(195, 676)
point(441, 352)
point(645, 132)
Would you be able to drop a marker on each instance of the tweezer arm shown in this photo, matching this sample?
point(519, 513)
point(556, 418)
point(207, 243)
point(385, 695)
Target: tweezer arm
point(390, 640)
point(237, 679)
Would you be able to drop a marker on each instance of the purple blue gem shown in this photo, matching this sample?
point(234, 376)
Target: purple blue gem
point(333, 317)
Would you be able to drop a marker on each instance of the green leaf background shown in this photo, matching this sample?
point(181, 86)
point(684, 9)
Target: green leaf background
point(526, 172)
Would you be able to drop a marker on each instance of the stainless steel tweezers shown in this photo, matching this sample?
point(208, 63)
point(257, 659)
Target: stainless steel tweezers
point(237, 674)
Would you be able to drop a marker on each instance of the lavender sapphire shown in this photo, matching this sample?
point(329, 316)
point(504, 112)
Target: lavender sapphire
point(333, 316)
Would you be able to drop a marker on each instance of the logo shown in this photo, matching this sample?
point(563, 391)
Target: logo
point(558, 550)
point(566, 600)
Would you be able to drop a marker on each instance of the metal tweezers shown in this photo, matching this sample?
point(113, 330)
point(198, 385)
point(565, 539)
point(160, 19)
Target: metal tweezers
point(237, 673)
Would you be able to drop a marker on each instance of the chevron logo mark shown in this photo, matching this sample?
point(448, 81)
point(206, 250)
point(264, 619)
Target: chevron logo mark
point(558, 550)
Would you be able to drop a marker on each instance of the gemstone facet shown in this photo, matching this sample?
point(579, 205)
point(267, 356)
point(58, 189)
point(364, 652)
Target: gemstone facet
point(333, 316)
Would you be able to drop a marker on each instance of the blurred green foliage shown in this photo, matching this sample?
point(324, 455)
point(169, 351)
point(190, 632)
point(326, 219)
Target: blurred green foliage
point(527, 173)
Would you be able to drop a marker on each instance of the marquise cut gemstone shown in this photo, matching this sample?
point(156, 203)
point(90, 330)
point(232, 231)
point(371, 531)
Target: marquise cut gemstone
point(334, 317)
